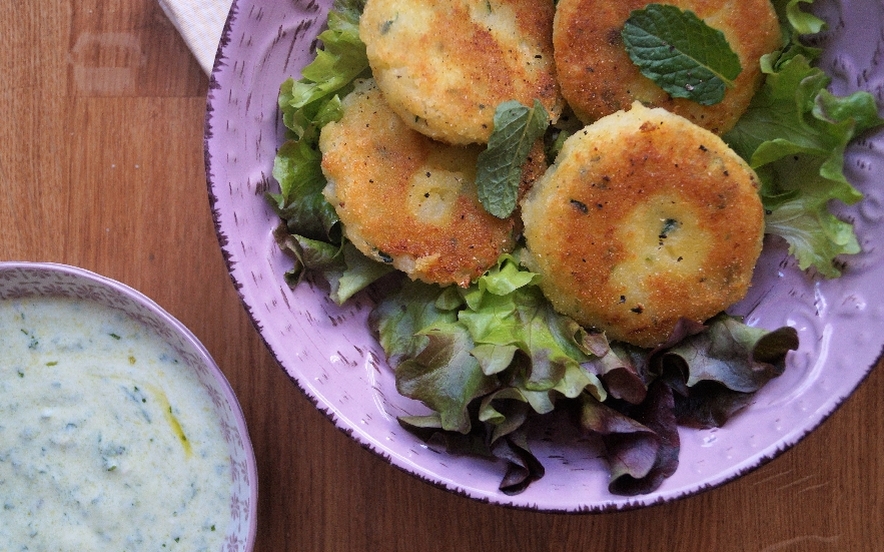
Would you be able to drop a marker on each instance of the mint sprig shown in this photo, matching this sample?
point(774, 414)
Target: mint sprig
point(499, 170)
point(680, 53)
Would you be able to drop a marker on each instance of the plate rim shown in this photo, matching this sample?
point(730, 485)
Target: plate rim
point(749, 464)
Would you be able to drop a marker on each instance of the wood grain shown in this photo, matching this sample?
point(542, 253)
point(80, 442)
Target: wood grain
point(101, 166)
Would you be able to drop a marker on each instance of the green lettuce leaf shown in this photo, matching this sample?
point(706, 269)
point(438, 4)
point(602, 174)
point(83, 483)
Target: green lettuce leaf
point(345, 268)
point(623, 371)
point(512, 447)
point(794, 135)
point(300, 202)
point(523, 468)
point(312, 235)
point(507, 315)
point(399, 319)
point(802, 22)
point(716, 373)
point(340, 60)
point(430, 352)
point(310, 103)
point(728, 352)
point(444, 376)
point(429, 429)
point(488, 358)
point(449, 345)
point(641, 441)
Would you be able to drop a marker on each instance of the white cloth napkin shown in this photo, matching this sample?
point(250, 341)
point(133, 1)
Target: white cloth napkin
point(200, 22)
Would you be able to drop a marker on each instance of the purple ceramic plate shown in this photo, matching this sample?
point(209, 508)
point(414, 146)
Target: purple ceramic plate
point(29, 279)
point(332, 357)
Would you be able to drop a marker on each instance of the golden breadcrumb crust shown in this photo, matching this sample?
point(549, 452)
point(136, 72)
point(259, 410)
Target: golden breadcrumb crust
point(408, 200)
point(444, 66)
point(597, 76)
point(643, 219)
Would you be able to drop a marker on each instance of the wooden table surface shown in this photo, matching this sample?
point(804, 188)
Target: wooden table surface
point(101, 166)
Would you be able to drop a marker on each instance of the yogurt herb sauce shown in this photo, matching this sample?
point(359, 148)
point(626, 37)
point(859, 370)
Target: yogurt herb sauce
point(107, 442)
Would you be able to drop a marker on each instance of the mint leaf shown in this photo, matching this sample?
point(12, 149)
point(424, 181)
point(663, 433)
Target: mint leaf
point(499, 171)
point(680, 53)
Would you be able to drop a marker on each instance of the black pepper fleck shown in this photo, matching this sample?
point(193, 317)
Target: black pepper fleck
point(580, 206)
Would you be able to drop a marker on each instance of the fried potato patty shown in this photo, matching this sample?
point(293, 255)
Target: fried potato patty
point(408, 200)
point(644, 218)
point(445, 66)
point(597, 77)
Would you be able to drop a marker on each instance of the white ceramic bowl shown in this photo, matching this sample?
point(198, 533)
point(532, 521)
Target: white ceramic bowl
point(26, 279)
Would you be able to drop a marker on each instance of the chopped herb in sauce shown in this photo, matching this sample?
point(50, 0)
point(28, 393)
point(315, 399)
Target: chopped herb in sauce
point(88, 448)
